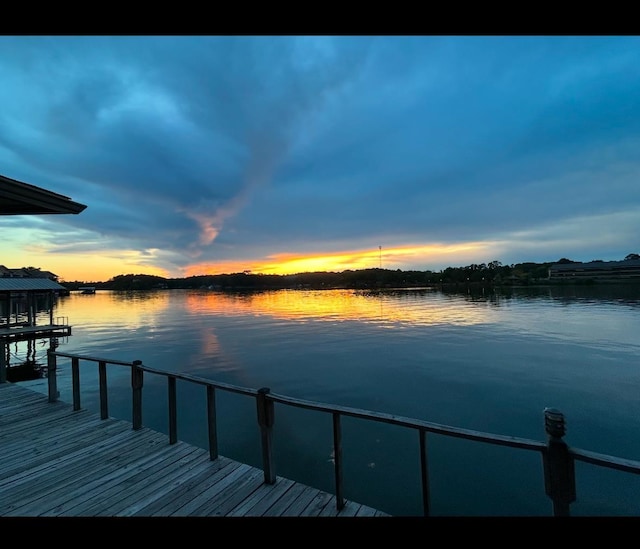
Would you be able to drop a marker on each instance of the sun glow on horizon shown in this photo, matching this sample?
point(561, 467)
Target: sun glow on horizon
point(103, 265)
point(93, 267)
point(410, 257)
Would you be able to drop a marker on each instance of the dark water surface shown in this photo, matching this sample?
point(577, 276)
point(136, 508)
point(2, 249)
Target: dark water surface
point(488, 361)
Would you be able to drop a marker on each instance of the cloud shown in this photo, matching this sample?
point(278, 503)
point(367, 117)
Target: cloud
point(215, 148)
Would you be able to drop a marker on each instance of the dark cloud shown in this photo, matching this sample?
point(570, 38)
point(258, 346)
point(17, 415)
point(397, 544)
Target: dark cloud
point(212, 147)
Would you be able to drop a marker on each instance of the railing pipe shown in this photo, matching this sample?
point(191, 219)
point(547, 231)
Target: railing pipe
point(559, 474)
point(173, 411)
point(136, 385)
point(266, 420)
point(558, 458)
point(337, 460)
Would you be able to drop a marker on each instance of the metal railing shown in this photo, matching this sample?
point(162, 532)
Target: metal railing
point(558, 458)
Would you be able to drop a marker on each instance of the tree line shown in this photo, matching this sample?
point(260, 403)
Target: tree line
point(488, 274)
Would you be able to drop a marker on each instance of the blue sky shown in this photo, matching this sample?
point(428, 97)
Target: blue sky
point(198, 154)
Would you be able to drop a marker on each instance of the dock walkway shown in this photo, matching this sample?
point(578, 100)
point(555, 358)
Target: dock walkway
point(61, 462)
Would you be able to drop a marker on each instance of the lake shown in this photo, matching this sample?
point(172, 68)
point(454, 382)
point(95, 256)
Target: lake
point(487, 360)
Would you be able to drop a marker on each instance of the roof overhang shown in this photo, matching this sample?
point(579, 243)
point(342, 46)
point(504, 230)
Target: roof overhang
point(17, 198)
point(28, 285)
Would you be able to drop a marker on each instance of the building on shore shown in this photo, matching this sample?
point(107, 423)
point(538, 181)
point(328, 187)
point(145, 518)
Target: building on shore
point(626, 270)
point(27, 272)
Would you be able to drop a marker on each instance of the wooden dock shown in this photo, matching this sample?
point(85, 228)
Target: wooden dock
point(59, 462)
point(32, 332)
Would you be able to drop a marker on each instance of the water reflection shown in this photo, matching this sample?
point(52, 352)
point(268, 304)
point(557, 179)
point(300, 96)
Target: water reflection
point(490, 362)
point(389, 308)
point(548, 311)
point(627, 294)
point(125, 309)
point(543, 310)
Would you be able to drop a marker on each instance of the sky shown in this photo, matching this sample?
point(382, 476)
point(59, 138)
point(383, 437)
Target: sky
point(282, 154)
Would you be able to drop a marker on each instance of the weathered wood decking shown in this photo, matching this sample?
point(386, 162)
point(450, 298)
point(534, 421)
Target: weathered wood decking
point(55, 461)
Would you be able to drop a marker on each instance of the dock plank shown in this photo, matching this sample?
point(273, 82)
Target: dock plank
point(263, 497)
point(63, 462)
point(235, 495)
point(57, 487)
point(98, 484)
point(175, 499)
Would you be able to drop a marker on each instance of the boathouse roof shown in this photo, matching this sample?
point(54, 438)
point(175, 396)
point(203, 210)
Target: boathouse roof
point(28, 285)
point(18, 198)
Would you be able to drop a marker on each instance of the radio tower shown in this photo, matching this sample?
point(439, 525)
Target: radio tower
point(380, 248)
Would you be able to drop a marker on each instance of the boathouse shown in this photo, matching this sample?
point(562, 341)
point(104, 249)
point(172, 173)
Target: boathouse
point(25, 292)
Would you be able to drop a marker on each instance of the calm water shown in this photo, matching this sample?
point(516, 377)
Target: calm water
point(490, 362)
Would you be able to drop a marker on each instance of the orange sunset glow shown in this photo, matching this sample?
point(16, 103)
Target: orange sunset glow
point(87, 266)
point(386, 258)
point(107, 264)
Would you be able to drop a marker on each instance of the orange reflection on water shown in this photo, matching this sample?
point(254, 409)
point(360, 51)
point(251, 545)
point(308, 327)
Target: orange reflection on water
point(340, 305)
point(126, 309)
point(210, 344)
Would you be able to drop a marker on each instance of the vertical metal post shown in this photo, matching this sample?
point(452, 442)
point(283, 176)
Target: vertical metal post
point(75, 381)
point(212, 423)
point(266, 420)
point(424, 468)
point(173, 411)
point(559, 474)
point(52, 380)
point(104, 405)
point(337, 459)
point(136, 386)
point(4, 346)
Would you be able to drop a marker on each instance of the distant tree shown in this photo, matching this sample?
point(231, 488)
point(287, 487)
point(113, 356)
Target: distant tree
point(564, 260)
point(632, 256)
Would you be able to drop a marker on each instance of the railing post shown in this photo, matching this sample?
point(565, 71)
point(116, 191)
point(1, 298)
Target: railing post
point(337, 460)
point(104, 404)
point(75, 382)
point(559, 474)
point(52, 380)
point(266, 420)
point(136, 386)
point(173, 410)
point(212, 422)
point(424, 469)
